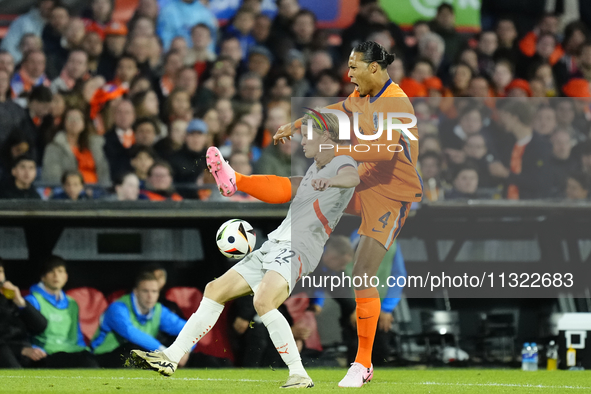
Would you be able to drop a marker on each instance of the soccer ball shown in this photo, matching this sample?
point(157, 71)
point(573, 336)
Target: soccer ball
point(235, 238)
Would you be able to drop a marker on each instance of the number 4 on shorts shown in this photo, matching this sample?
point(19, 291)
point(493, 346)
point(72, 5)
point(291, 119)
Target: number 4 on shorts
point(384, 219)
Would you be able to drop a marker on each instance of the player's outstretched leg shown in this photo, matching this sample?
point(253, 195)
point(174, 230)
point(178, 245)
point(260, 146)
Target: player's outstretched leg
point(267, 188)
point(227, 287)
point(270, 294)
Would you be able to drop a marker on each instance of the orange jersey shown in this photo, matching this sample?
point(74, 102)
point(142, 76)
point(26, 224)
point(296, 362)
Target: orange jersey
point(392, 174)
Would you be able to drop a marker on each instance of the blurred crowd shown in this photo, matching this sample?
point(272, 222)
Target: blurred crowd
point(92, 107)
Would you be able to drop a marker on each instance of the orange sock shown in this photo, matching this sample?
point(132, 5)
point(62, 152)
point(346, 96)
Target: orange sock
point(368, 314)
point(268, 188)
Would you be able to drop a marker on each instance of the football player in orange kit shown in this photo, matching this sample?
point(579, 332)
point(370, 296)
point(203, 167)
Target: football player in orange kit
point(389, 184)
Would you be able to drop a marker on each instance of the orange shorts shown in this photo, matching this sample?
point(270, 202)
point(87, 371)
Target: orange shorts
point(381, 217)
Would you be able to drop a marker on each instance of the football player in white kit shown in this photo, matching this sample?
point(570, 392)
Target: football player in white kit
point(319, 199)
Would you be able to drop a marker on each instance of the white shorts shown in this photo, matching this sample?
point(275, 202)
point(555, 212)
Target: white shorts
point(272, 256)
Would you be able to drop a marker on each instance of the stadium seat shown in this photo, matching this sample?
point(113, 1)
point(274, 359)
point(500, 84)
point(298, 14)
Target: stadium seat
point(187, 298)
point(217, 342)
point(91, 305)
point(114, 296)
point(297, 306)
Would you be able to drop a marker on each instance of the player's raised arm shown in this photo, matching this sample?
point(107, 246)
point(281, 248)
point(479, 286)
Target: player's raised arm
point(287, 130)
point(346, 177)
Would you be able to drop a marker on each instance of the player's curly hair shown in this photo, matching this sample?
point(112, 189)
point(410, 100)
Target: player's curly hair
point(331, 121)
point(374, 52)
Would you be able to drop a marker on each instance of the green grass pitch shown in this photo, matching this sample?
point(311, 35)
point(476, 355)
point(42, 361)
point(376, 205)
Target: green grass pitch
point(234, 381)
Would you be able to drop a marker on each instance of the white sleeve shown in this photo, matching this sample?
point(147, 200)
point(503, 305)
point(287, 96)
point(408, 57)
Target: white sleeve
point(343, 161)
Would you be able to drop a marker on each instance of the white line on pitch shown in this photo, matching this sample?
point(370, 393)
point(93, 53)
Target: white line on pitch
point(514, 385)
point(137, 378)
point(528, 386)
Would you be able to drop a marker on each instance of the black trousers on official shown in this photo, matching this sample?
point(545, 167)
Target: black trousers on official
point(62, 360)
point(116, 358)
point(10, 356)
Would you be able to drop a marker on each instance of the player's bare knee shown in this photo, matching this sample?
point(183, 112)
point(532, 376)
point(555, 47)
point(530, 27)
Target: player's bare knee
point(214, 292)
point(262, 304)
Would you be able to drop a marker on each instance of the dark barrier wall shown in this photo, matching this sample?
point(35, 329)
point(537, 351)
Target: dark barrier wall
point(485, 239)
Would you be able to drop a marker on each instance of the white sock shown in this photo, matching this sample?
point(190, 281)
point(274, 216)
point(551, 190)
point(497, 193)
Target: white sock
point(196, 327)
point(282, 337)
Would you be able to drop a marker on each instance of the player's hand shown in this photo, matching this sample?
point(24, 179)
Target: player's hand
point(17, 298)
point(241, 325)
point(34, 354)
point(497, 169)
point(321, 184)
point(184, 359)
point(285, 131)
point(385, 322)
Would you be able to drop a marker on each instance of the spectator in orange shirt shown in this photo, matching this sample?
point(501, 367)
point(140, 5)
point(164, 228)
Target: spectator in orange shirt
point(543, 54)
point(548, 25)
point(159, 185)
point(75, 148)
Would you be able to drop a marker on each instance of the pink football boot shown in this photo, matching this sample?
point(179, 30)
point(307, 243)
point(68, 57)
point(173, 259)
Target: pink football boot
point(357, 376)
point(224, 175)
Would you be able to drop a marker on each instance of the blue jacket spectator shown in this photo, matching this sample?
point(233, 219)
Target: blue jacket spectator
point(178, 17)
point(133, 322)
point(31, 22)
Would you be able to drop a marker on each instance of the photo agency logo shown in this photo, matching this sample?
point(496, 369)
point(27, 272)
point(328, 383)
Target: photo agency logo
point(388, 122)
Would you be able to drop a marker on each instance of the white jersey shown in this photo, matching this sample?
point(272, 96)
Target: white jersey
point(314, 214)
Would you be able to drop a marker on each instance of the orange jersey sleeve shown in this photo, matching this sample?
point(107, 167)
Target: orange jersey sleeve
point(377, 148)
point(391, 174)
